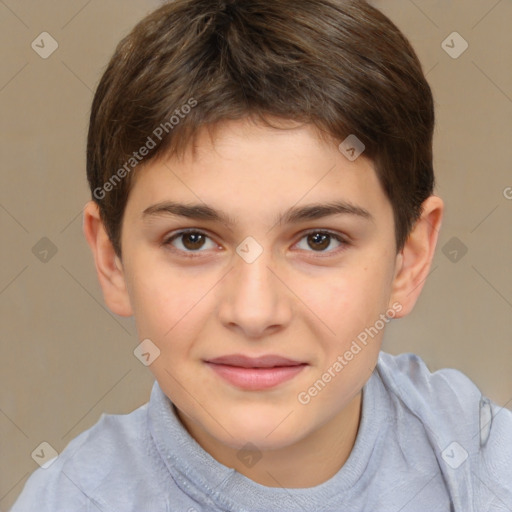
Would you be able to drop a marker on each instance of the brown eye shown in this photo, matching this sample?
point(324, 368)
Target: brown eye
point(193, 241)
point(320, 241)
point(190, 242)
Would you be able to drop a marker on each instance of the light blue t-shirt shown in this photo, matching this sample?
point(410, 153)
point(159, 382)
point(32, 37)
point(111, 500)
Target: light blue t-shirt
point(426, 442)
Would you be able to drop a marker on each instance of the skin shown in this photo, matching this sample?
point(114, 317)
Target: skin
point(299, 299)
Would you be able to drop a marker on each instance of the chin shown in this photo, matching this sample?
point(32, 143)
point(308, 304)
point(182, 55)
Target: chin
point(265, 433)
point(259, 440)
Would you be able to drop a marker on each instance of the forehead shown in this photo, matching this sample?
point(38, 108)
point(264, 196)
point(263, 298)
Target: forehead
point(243, 168)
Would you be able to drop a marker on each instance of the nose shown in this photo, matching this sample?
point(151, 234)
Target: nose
point(254, 299)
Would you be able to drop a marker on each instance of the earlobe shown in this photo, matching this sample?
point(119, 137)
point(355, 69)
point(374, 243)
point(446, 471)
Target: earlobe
point(108, 266)
point(414, 261)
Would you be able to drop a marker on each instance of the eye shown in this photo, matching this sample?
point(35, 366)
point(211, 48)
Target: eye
point(190, 241)
point(321, 240)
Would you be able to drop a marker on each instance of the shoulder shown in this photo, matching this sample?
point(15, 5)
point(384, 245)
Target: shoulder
point(446, 399)
point(445, 404)
point(117, 443)
point(470, 435)
point(408, 374)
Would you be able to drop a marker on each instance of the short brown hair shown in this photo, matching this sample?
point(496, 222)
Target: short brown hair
point(340, 65)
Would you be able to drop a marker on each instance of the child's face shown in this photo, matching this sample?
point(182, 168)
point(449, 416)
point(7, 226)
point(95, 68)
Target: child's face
point(304, 298)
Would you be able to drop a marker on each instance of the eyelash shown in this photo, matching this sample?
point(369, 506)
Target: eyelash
point(194, 254)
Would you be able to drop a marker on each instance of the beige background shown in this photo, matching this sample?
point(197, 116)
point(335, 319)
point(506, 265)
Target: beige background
point(66, 359)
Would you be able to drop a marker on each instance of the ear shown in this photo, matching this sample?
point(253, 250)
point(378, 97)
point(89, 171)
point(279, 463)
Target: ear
point(414, 260)
point(108, 265)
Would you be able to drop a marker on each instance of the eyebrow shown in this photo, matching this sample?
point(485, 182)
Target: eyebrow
point(291, 216)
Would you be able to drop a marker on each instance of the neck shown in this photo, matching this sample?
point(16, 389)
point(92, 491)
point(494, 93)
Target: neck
point(319, 455)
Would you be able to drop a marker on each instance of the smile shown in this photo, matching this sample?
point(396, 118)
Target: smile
point(255, 374)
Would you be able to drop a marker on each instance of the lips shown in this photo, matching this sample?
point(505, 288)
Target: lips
point(255, 373)
point(267, 361)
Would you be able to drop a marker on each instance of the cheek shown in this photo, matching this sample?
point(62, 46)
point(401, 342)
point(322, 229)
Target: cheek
point(347, 300)
point(167, 301)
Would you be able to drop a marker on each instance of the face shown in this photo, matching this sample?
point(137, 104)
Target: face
point(258, 301)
